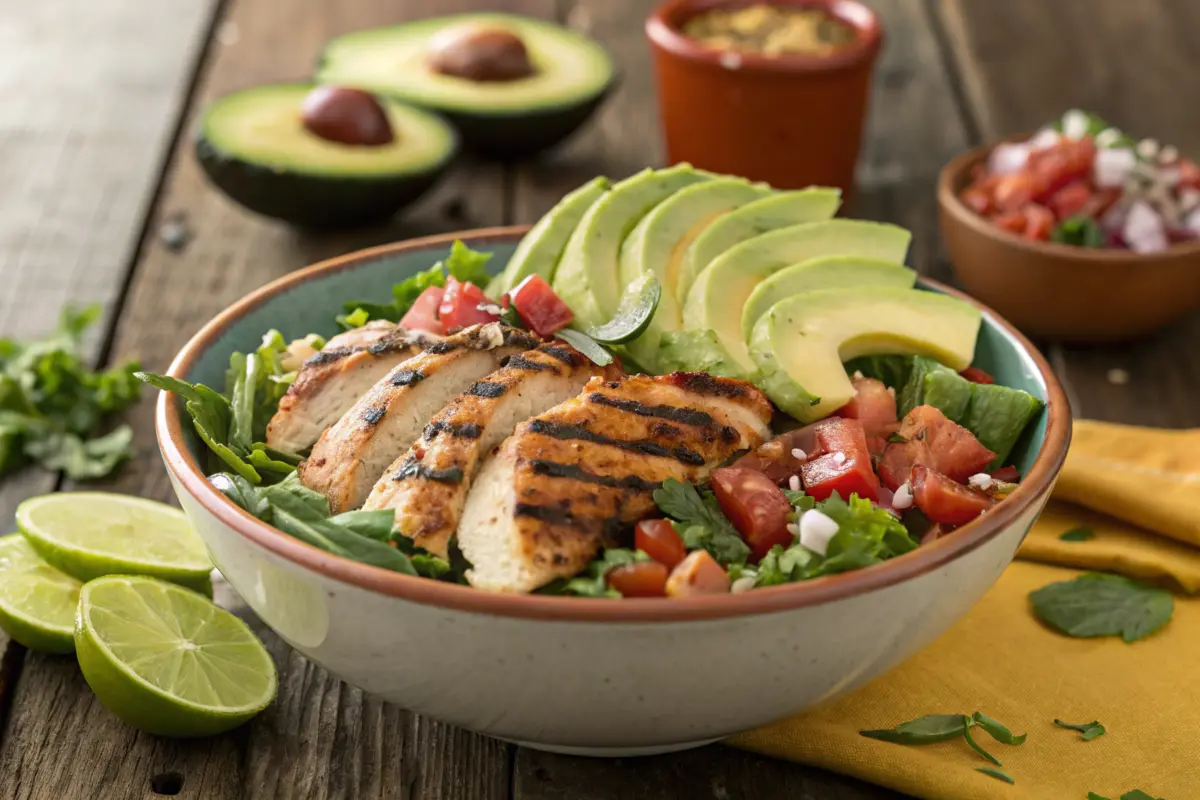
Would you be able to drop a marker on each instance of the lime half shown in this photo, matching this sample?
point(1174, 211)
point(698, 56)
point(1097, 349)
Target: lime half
point(37, 602)
point(92, 534)
point(167, 660)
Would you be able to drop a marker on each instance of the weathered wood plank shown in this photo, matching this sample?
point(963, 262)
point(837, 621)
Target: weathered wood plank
point(1133, 64)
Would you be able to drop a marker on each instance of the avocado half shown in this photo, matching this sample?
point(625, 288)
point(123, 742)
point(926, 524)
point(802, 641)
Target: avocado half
point(502, 119)
point(254, 147)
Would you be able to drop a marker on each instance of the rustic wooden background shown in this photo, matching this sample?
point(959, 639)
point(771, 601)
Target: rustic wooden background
point(95, 156)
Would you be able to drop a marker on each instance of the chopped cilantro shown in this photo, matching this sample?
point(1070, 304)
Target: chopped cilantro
point(1097, 604)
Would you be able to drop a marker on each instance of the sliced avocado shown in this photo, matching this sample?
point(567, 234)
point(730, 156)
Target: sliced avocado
point(570, 76)
point(718, 297)
point(696, 351)
point(587, 278)
point(540, 248)
point(770, 213)
point(829, 272)
point(253, 146)
point(997, 415)
point(801, 342)
point(934, 384)
point(658, 242)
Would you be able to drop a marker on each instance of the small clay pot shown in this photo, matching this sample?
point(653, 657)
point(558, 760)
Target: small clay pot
point(789, 120)
point(1057, 291)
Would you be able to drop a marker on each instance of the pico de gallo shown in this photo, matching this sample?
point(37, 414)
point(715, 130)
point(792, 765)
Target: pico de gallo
point(1082, 182)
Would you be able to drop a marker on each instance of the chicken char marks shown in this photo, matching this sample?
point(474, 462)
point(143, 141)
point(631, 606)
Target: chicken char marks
point(428, 485)
point(329, 382)
point(352, 455)
point(578, 475)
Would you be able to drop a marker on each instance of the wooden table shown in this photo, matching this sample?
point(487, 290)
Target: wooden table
point(95, 156)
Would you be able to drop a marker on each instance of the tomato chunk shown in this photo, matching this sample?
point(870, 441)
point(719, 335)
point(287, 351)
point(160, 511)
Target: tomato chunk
point(976, 375)
point(423, 314)
point(539, 307)
point(776, 458)
point(1070, 199)
point(845, 467)
point(945, 501)
point(640, 579)
point(872, 405)
point(1055, 167)
point(1009, 474)
point(657, 538)
point(1039, 222)
point(698, 574)
point(932, 440)
point(755, 506)
point(460, 306)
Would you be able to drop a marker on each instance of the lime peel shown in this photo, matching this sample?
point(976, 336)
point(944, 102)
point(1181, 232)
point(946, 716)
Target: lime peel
point(37, 602)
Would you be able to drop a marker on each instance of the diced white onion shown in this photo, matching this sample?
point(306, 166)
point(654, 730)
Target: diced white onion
point(816, 530)
point(742, 584)
point(1148, 148)
point(981, 481)
point(839, 458)
point(1113, 167)
point(1007, 158)
point(1046, 137)
point(794, 483)
point(858, 375)
point(1144, 230)
point(1075, 124)
point(1189, 199)
point(1108, 137)
point(799, 454)
point(1193, 222)
point(903, 497)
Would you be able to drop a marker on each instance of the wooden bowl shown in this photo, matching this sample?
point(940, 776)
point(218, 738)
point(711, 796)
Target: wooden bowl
point(1061, 292)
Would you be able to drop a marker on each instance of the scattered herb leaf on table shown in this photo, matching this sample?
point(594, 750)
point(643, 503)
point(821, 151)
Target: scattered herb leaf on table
point(1097, 604)
point(1080, 534)
point(1088, 730)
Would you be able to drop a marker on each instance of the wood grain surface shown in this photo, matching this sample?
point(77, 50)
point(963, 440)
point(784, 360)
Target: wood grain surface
point(91, 172)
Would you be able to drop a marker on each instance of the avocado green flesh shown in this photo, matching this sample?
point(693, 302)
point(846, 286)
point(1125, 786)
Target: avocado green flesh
point(569, 69)
point(770, 213)
point(997, 415)
point(658, 242)
point(587, 278)
point(830, 272)
point(539, 249)
point(800, 344)
point(719, 296)
point(262, 126)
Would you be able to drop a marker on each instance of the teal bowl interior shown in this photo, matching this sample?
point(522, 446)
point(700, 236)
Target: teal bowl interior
point(313, 300)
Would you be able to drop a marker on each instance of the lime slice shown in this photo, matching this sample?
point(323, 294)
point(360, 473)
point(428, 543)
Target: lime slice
point(167, 660)
point(92, 534)
point(37, 602)
point(633, 316)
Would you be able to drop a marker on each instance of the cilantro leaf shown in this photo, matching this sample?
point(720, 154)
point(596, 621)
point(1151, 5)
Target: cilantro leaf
point(929, 729)
point(1088, 730)
point(998, 774)
point(997, 730)
point(1078, 231)
point(1096, 604)
point(1080, 534)
point(700, 522)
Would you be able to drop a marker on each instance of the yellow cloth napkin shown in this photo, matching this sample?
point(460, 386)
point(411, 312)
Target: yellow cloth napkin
point(1000, 660)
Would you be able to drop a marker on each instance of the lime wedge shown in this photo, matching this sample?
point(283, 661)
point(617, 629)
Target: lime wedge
point(92, 534)
point(37, 602)
point(167, 660)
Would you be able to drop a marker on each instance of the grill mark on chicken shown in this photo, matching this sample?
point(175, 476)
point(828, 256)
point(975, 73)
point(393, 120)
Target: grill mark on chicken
point(463, 430)
point(515, 337)
point(685, 416)
point(703, 383)
point(374, 414)
point(411, 468)
point(520, 362)
point(487, 388)
point(551, 514)
point(643, 447)
point(328, 356)
point(564, 354)
point(407, 377)
point(573, 472)
point(441, 348)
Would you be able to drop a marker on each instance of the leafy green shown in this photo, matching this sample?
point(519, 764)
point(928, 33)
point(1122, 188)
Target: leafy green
point(1078, 231)
point(1080, 534)
point(700, 522)
point(1136, 794)
point(997, 730)
point(934, 728)
point(591, 582)
point(53, 407)
point(1088, 730)
point(463, 264)
point(998, 774)
point(1096, 604)
point(892, 370)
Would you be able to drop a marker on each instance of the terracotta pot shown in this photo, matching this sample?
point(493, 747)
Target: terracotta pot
point(791, 120)
point(1057, 291)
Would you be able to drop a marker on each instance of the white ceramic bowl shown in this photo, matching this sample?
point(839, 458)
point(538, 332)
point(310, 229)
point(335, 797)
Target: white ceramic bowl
point(601, 677)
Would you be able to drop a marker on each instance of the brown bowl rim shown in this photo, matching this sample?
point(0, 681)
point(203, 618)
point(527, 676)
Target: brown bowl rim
point(183, 466)
point(953, 177)
point(663, 32)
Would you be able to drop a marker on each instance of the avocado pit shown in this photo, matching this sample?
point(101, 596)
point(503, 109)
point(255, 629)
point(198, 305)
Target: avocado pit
point(479, 53)
point(347, 116)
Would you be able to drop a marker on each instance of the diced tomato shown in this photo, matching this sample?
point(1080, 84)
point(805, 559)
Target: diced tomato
point(1011, 221)
point(1189, 173)
point(657, 538)
point(932, 440)
point(460, 306)
point(945, 501)
point(755, 506)
point(423, 315)
point(539, 307)
point(1101, 201)
point(1055, 167)
point(1009, 474)
point(845, 467)
point(1039, 222)
point(976, 375)
point(979, 195)
point(1071, 199)
point(640, 579)
point(775, 459)
point(1014, 191)
point(698, 574)
point(872, 405)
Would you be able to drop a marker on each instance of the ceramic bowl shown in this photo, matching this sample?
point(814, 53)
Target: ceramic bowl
point(595, 676)
point(792, 121)
point(1057, 291)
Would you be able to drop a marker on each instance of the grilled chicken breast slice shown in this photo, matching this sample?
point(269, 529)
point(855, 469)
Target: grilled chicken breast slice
point(330, 381)
point(576, 476)
point(352, 455)
point(428, 485)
